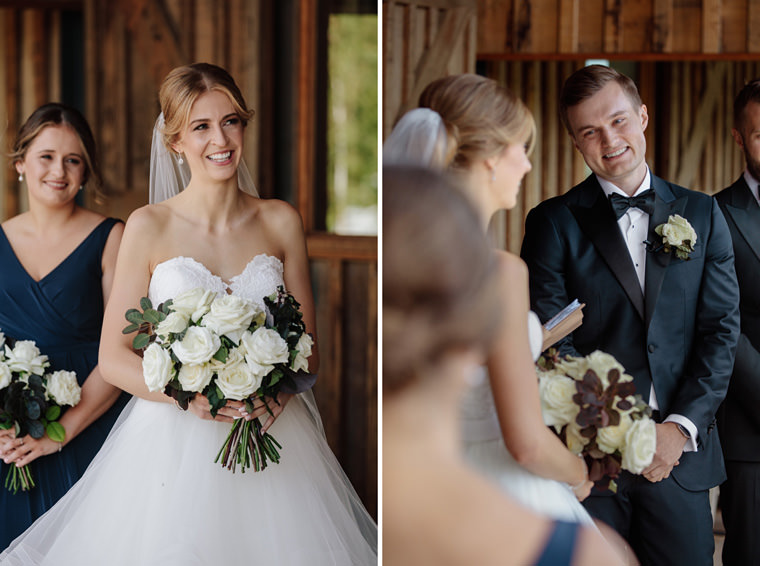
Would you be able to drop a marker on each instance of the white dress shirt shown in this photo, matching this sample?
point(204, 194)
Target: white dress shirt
point(634, 226)
point(752, 183)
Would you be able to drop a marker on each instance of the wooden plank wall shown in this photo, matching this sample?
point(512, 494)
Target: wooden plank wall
point(533, 27)
point(130, 45)
point(423, 40)
point(689, 142)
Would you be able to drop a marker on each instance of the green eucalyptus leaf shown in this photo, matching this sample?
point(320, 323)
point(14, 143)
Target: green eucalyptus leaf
point(56, 432)
point(52, 413)
point(35, 429)
point(146, 304)
point(134, 316)
point(141, 341)
point(131, 328)
point(152, 316)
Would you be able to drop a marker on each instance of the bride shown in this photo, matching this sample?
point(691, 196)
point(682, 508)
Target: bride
point(483, 133)
point(153, 495)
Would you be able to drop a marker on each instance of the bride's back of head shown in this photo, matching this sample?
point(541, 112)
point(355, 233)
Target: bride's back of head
point(440, 289)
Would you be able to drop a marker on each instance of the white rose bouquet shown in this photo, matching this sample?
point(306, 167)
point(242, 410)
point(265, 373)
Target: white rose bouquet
point(31, 400)
point(226, 348)
point(592, 405)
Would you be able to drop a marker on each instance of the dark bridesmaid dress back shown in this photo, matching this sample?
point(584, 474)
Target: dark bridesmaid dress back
point(63, 314)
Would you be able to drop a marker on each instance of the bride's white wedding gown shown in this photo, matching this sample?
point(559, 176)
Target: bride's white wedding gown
point(484, 448)
point(154, 496)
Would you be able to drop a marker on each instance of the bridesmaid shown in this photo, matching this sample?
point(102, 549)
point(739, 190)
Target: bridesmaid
point(57, 262)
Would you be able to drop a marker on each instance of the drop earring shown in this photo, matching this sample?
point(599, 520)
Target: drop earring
point(20, 177)
point(493, 175)
point(179, 159)
point(81, 187)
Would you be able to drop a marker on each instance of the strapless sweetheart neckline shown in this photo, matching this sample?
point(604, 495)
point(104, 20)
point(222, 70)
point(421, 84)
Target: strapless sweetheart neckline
point(211, 273)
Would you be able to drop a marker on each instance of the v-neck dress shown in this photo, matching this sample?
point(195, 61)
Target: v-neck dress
point(63, 314)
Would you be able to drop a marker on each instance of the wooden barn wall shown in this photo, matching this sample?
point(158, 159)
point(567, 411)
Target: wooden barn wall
point(690, 105)
point(423, 40)
point(130, 45)
point(510, 27)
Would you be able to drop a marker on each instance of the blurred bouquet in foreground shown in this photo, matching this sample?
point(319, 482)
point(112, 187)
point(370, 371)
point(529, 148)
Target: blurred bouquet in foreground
point(226, 348)
point(592, 405)
point(31, 400)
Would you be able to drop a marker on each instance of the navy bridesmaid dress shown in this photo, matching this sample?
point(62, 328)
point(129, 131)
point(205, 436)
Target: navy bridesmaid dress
point(63, 314)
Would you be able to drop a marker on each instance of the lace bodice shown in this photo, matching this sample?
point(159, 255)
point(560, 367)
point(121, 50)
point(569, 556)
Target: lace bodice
point(259, 279)
point(480, 421)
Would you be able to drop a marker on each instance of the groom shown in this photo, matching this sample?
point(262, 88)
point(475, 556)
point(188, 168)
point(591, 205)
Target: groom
point(673, 323)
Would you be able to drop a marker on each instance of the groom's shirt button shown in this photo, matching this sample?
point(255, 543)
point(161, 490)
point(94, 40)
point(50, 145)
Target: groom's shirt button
point(652, 348)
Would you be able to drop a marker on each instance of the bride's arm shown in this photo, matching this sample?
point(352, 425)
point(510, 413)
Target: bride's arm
point(119, 364)
point(515, 388)
point(286, 223)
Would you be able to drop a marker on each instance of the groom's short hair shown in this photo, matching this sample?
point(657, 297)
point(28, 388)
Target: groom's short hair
point(750, 92)
point(586, 82)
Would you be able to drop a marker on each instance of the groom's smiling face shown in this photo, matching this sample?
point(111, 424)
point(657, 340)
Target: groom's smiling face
point(608, 130)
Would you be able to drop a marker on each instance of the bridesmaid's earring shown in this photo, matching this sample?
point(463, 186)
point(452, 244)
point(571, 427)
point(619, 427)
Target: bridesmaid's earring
point(180, 160)
point(81, 187)
point(20, 177)
point(493, 175)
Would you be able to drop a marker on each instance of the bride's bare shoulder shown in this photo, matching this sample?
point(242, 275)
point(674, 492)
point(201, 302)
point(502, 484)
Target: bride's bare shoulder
point(147, 221)
point(511, 266)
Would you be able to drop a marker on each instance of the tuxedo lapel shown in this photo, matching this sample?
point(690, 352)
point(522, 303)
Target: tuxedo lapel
point(597, 221)
point(745, 213)
point(665, 204)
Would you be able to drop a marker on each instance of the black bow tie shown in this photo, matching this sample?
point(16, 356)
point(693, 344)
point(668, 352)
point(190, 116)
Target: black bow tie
point(644, 202)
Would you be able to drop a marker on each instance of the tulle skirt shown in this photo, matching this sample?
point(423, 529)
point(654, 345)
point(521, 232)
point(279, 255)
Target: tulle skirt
point(548, 497)
point(153, 495)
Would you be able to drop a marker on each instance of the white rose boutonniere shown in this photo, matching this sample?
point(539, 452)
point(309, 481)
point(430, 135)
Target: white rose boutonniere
point(677, 235)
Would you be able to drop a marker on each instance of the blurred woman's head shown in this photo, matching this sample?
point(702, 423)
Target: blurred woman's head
point(440, 290)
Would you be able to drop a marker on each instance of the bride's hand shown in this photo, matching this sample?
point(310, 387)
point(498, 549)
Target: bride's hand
point(583, 490)
point(271, 414)
point(22, 451)
point(201, 408)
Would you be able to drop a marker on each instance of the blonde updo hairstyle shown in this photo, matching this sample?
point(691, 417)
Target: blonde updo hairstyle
point(182, 87)
point(483, 116)
point(440, 288)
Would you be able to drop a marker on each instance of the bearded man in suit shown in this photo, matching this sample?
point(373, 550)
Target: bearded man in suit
point(739, 416)
point(671, 320)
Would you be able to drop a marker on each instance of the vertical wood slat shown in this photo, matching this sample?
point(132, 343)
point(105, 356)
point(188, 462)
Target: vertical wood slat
point(568, 26)
point(11, 106)
point(613, 29)
point(711, 26)
point(305, 120)
point(662, 34)
point(753, 26)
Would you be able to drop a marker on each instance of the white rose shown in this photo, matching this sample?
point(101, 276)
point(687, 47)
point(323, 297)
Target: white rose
point(265, 346)
point(677, 231)
point(640, 445)
point(574, 367)
point(158, 368)
point(556, 392)
point(230, 316)
point(197, 347)
point(174, 323)
point(63, 388)
point(575, 442)
point(194, 377)
point(25, 357)
point(5, 375)
point(612, 438)
point(235, 378)
point(193, 303)
point(301, 361)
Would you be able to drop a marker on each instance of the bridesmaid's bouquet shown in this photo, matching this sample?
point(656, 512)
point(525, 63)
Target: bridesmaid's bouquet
point(31, 400)
point(592, 405)
point(226, 348)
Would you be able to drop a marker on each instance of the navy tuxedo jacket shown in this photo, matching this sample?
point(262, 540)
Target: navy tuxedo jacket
point(739, 416)
point(680, 335)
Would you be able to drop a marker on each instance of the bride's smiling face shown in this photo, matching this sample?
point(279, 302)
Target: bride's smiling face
point(212, 139)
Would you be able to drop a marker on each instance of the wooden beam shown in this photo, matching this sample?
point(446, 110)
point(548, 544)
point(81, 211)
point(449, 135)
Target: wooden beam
point(323, 245)
point(753, 26)
point(306, 112)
